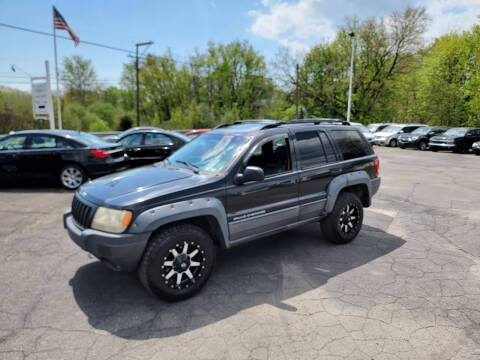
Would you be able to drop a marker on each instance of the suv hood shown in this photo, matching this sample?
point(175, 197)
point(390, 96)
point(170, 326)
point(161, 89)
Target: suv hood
point(443, 137)
point(137, 185)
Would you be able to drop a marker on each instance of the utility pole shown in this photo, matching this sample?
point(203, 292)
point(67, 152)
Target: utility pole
point(137, 45)
point(349, 107)
point(296, 96)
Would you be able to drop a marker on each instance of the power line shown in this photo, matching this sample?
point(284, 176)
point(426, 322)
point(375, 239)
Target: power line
point(67, 38)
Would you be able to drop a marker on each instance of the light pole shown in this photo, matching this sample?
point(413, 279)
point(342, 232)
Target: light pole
point(136, 72)
point(349, 107)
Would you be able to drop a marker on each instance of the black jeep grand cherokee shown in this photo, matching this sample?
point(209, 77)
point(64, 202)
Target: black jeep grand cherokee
point(234, 184)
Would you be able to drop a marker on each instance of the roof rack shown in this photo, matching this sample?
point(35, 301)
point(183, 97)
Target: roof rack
point(321, 121)
point(238, 122)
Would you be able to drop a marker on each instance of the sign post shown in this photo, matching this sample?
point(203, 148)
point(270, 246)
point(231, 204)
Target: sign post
point(42, 98)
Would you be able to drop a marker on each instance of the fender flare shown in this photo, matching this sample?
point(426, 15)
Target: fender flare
point(340, 182)
point(151, 219)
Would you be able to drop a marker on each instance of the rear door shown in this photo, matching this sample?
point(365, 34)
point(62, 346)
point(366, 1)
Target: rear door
point(41, 156)
point(317, 167)
point(10, 163)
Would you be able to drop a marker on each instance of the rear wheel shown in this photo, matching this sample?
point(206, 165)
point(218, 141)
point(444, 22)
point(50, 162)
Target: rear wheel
point(72, 176)
point(422, 145)
point(393, 143)
point(343, 224)
point(178, 262)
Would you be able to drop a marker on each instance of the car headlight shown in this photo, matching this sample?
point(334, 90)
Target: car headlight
point(111, 220)
point(414, 137)
point(476, 145)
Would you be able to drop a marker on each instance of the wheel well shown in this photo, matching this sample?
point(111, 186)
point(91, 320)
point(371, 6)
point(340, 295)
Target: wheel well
point(361, 190)
point(207, 222)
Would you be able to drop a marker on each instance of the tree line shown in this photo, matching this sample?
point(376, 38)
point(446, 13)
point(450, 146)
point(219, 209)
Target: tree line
point(397, 78)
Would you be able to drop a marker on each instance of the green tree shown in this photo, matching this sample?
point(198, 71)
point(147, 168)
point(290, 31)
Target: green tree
point(79, 78)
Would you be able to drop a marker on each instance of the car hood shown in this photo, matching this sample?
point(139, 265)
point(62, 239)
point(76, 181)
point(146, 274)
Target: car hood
point(137, 185)
point(444, 137)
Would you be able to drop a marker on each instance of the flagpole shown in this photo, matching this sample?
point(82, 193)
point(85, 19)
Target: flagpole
point(59, 108)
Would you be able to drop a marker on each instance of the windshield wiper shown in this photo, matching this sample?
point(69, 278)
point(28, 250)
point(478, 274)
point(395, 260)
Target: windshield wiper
point(192, 167)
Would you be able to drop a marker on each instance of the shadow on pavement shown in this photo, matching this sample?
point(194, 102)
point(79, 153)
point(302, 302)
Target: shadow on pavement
point(266, 271)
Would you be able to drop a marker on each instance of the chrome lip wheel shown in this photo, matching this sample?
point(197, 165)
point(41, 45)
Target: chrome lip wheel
point(183, 265)
point(348, 220)
point(71, 178)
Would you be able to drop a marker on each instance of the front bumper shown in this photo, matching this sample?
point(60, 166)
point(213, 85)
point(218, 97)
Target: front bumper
point(407, 142)
point(441, 145)
point(121, 252)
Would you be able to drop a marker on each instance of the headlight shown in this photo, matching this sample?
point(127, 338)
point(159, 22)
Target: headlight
point(476, 145)
point(414, 137)
point(111, 220)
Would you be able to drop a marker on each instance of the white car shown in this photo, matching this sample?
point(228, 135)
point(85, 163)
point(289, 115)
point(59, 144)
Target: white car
point(389, 135)
point(368, 135)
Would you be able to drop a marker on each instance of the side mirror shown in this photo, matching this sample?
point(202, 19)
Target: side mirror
point(251, 173)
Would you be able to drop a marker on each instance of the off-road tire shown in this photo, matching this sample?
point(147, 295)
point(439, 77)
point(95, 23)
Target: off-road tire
point(331, 225)
point(153, 272)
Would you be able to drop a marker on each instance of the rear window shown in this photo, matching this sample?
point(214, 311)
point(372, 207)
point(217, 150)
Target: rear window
point(310, 149)
point(351, 144)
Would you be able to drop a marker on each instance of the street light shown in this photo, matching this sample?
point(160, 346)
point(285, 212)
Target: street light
point(352, 37)
point(136, 72)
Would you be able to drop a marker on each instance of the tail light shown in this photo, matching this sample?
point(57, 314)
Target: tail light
point(100, 153)
point(376, 164)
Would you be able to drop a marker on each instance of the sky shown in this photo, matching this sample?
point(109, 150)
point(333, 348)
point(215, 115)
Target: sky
point(184, 26)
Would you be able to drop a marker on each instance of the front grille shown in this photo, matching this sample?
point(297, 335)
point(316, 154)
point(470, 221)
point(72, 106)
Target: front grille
point(81, 212)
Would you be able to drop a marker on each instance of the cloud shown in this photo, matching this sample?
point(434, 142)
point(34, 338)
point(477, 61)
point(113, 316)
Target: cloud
point(294, 25)
point(450, 15)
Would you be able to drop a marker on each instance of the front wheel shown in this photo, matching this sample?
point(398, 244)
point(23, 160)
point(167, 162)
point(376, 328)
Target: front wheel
point(72, 176)
point(178, 262)
point(422, 145)
point(393, 143)
point(343, 224)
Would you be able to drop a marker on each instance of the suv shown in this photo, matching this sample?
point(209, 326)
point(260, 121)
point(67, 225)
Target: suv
point(389, 135)
point(420, 137)
point(456, 139)
point(234, 184)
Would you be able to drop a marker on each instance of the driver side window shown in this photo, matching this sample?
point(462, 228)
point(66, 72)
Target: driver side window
point(133, 140)
point(273, 157)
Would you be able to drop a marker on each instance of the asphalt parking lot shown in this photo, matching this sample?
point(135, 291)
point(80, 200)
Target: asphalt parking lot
point(407, 288)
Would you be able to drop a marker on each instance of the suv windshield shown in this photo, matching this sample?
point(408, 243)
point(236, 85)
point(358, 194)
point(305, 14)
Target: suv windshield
point(393, 128)
point(209, 152)
point(422, 130)
point(455, 132)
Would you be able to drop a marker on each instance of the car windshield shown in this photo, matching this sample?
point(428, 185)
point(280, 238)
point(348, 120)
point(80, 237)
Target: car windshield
point(455, 132)
point(209, 152)
point(422, 130)
point(392, 128)
point(372, 127)
point(88, 139)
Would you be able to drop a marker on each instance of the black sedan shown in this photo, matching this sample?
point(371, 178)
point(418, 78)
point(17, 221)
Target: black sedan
point(146, 146)
point(420, 137)
point(71, 157)
point(456, 139)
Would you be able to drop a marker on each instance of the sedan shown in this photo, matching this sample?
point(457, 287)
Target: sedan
point(146, 146)
point(70, 157)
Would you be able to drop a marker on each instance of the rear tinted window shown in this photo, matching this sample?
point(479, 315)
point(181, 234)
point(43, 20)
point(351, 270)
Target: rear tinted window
point(328, 147)
point(310, 149)
point(351, 144)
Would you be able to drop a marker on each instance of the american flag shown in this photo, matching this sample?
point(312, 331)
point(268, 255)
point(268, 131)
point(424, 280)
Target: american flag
point(60, 23)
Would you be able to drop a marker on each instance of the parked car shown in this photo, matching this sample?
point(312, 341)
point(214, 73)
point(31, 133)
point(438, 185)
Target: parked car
point(373, 128)
point(192, 134)
point(146, 146)
point(233, 184)
point(389, 135)
point(115, 138)
point(71, 157)
point(458, 139)
point(419, 138)
point(363, 129)
point(476, 148)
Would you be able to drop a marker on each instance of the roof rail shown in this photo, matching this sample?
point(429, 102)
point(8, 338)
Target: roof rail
point(322, 121)
point(253, 121)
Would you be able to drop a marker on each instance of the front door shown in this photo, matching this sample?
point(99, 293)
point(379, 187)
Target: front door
point(41, 157)
point(10, 165)
point(133, 147)
point(259, 207)
point(157, 147)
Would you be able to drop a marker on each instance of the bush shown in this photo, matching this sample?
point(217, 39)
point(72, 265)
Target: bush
point(105, 112)
point(98, 125)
